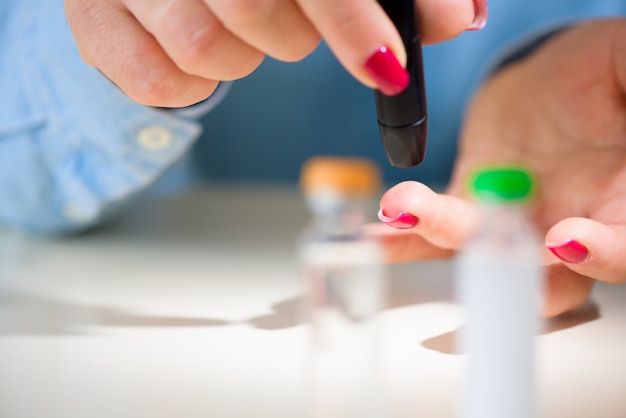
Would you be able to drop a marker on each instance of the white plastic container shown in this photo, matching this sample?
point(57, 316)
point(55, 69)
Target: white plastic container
point(498, 276)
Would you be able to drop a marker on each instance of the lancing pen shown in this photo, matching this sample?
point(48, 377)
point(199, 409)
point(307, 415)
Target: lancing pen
point(402, 118)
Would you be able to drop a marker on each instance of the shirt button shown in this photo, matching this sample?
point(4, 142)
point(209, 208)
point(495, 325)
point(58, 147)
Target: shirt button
point(75, 213)
point(154, 138)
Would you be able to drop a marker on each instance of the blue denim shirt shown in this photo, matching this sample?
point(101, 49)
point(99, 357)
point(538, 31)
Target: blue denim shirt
point(73, 147)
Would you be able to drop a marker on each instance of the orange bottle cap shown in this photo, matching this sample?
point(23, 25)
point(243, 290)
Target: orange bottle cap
point(350, 176)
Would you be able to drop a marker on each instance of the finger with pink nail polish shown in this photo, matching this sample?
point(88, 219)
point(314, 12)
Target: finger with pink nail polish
point(402, 220)
point(387, 72)
point(481, 12)
point(590, 248)
point(443, 220)
point(571, 251)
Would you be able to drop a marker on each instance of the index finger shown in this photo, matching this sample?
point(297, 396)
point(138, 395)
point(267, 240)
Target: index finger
point(445, 221)
point(356, 29)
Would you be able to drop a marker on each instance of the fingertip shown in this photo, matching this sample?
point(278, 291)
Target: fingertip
point(565, 240)
point(481, 13)
point(590, 248)
point(401, 220)
point(570, 251)
point(444, 220)
point(443, 20)
point(355, 31)
point(390, 76)
point(404, 195)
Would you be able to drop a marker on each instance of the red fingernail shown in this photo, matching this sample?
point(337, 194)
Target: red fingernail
point(570, 252)
point(387, 72)
point(481, 12)
point(402, 220)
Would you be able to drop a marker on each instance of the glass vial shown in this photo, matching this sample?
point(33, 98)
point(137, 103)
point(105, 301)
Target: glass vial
point(498, 277)
point(343, 278)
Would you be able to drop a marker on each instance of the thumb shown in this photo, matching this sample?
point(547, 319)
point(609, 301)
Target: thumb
point(590, 248)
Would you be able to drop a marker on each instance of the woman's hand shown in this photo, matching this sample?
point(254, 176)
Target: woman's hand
point(173, 53)
point(562, 113)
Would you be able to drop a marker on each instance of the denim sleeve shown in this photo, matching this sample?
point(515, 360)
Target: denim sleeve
point(73, 148)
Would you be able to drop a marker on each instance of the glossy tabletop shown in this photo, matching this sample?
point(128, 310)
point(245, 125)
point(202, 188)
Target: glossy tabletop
point(189, 306)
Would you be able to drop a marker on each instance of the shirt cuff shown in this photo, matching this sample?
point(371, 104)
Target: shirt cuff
point(82, 149)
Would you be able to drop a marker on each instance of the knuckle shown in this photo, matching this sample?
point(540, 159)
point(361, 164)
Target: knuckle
point(348, 23)
point(152, 91)
point(246, 11)
point(211, 52)
point(153, 84)
point(194, 46)
point(214, 53)
point(188, 45)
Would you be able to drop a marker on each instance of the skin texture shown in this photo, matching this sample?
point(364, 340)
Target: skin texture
point(173, 53)
point(562, 113)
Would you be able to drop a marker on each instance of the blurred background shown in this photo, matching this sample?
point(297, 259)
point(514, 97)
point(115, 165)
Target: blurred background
point(284, 113)
point(272, 121)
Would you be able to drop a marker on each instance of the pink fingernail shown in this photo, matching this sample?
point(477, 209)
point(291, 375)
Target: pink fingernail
point(388, 74)
point(402, 220)
point(481, 12)
point(570, 252)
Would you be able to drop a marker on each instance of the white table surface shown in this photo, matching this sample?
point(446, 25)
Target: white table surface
point(188, 307)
